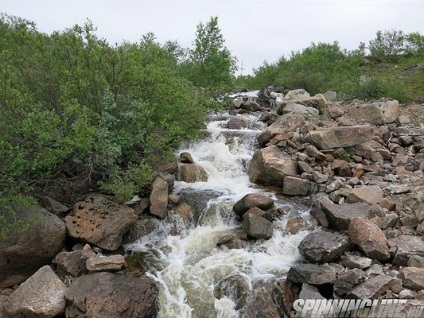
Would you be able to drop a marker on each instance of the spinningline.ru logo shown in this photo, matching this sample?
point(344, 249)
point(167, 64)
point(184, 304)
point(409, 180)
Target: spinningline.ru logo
point(356, 308)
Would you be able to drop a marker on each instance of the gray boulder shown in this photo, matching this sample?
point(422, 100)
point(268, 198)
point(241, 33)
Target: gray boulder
point(297, 186)
point(413, 278)
point(42, 295)
point(251, 200)
point(269, 166)
point(109, 295)
point(372, 287)
point(23, 253)
point(257, 226)
point(312, 274)
point(340, 137)
point(407, 246)
point(323, 247)
point(377, 113)
point(283, 124)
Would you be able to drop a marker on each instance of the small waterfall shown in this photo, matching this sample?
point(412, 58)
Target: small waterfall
point(189, 267)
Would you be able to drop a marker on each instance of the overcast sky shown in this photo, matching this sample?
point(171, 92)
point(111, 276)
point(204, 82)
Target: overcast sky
point(254, 30)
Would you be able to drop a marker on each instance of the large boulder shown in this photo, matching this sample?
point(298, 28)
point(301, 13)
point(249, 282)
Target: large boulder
point(299, 108)
point(159, 198)
point(191, 172)
point(377, 113)
point(295, 94)
point(23, 253)
point(413, 278)
point(323, 247)
point(340, 215)
point(257, 226)
point(297, 186)
point(369, 194)
point(369, 238)
point(42, 295)
point(100, 221)
point(283, 124)
point(251, 200)
point(318, 101)
point(340, 137)
point(270, 165)
point(109, 295)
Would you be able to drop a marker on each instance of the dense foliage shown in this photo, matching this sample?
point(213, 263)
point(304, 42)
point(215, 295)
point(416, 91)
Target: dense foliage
point(77, 113)
point(353, 74)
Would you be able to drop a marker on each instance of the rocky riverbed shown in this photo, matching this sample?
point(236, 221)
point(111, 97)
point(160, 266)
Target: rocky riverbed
point(360, 163)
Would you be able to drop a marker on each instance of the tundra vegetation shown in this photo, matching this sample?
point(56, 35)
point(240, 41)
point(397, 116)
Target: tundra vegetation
point(78, 114)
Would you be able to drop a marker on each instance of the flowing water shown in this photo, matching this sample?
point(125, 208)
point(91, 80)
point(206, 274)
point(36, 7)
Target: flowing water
point(184, 257)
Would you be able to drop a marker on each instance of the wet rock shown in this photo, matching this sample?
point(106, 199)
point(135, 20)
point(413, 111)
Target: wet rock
point(192, 172)
point(377, 113)
point(111, 263)
point(257, 227)
point(369, 238)
point(187, 213)
point(261, 302)
point(159, 198)
point(336, 137)
point(99, 221)
point(340, 215)
point(407, 246)
point(185, 157)
point(251, 200)
point(372, 287)
point(22, 255)
point(250, 106)
point(323, 247)
point(234, 287)
point(282, 125)
point(348, 280)
point(142, 227)
point(269, 166)
point(295, 224)
point(297, 186)
point(413, 278)
point(41, 295)
point(368, 194)
point(284, 294)
point(312, 274)
point(109, 295)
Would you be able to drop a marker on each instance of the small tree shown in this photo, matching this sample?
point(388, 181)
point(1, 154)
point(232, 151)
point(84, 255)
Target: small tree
point(389, 43)
point(415, 44)
point(211, 63)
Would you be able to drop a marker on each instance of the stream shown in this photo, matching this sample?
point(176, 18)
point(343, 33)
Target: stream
point(196, 277)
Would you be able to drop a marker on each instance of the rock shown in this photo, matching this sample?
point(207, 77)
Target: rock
point(297, 186)
point(339, 216)
point(355, 261)
point(369, 238)
point(340, 137)
point(159, 198)
point(310, 292)
point(377, 113)
point(23, 253)
point(368, 194)
point(330, 95)
point(295, 224)
point(372, 287)
point(70, 263)
point(348, 280)
point(109, 295)
point(261, 302)
point(99, 221)
point(323, 247)
point(298, 108)
point(54, 207)
point(111, 263)
point(185, 157)
point(284, 294)
point(250, 106)
point(42, 295)
point(312, 151)
point(282, 125)
point(269, 166)
point(296, 94)
point(312, 274)
point(318, 101)
point(251, 200)
point(257, 227)
point(415, 261)
point(187, 213)
point(234, 287)
point(142, 227)
point(413, 278)
point(407, 246)
point(192, 172)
